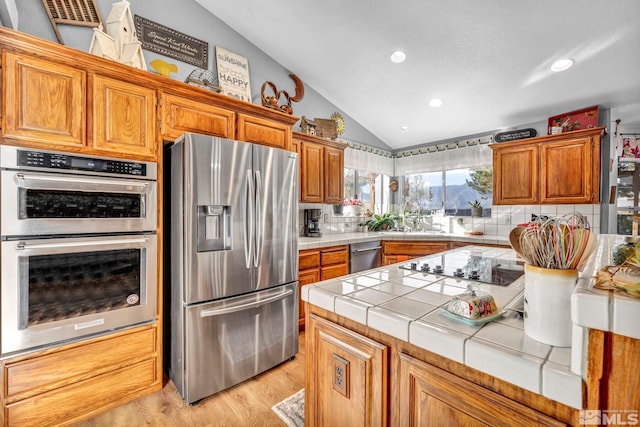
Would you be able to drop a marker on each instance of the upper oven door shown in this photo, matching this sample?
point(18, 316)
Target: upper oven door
point(39, 204)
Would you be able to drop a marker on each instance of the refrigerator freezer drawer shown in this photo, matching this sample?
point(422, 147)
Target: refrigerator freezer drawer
point(232, 340)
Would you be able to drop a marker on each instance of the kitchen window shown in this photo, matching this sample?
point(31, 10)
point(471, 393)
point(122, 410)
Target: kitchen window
point(371, 188)
point(448, 191)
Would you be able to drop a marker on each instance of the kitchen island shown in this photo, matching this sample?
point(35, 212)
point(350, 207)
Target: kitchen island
point(384, 336)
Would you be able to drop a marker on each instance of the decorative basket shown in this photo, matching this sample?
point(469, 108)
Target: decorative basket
point(204, 79)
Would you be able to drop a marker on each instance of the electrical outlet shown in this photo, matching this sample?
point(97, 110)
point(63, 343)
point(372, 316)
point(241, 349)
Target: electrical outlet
point(341, 375)
point(326, 218)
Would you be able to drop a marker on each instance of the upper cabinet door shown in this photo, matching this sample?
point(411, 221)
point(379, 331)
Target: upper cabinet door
point(568, 171)
point(180, 115)
point(515, 175)
point(334, 175)
point(311, 172)
point(43, 101)
point(122, 117)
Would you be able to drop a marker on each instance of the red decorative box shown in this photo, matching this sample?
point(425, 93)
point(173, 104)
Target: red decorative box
point(574, 120)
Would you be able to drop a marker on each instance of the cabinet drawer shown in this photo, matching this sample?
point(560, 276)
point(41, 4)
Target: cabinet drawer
point(414, 248)
point(337, 255)
point(332, 271)
point(75, 401)
point(265, 132)
point(33, 376)
point(181, 115)
point(308, 259)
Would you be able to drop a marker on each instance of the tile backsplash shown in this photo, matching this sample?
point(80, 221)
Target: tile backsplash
point(502, 220)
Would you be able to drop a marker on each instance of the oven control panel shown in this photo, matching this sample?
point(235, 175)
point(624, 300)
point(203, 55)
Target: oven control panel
point(46, 160)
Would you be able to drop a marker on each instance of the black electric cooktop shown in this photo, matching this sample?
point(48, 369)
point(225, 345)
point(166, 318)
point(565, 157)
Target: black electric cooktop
point(494, 271)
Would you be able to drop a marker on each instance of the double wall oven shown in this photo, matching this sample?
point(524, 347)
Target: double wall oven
point(78, 249)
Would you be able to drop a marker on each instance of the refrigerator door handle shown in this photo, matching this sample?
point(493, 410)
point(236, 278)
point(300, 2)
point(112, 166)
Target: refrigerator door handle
point(259, 234)
point(248, 219)
point(242, 307)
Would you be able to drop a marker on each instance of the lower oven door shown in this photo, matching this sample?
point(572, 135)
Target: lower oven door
point(231, 340)
point(56, 290)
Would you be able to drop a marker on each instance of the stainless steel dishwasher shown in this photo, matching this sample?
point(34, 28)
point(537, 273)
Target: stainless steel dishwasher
point(364, 256)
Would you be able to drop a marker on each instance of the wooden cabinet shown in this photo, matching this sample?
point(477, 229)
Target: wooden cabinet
point(308, 272)
point(422, 388)
point(334, 262)
point(570, 170)
point(122, 117)
point(516, 175)
point(66, 385)
point(60, 107)
point(43, 103)
point(333, 175)
point(612, 371)
point(554, 169)
point(432, 396)
point(321, 169)
point(346, 377)
point(311, 172)
point(399, 251)
point(315, 265)
point(180, 115)
point(262, 131)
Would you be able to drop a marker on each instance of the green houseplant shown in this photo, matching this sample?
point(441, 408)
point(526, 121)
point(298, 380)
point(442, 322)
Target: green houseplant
point(381, 222)
point(476, 208)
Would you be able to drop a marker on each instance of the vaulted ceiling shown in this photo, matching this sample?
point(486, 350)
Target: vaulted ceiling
point(488, 60)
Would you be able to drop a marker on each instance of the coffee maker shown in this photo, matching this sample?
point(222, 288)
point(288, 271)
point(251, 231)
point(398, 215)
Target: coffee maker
point(312, 222)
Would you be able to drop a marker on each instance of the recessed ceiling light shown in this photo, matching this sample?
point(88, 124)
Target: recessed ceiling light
point(436, 102)
point(562, 64)
point(404, 128)
point(398, 56)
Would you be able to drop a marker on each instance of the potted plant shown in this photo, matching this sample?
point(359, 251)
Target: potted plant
point(476, 208)
point(354, 204)
point(381, 222)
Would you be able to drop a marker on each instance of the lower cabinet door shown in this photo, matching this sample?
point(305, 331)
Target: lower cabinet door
point(429, 396)
point(305, 277)
point(346, 379)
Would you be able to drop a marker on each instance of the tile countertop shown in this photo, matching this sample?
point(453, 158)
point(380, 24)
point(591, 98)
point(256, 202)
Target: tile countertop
point(604, 310)
point(348, 238)
point(409, 305)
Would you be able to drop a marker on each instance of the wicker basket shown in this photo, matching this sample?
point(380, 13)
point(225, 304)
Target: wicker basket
point(204, 79)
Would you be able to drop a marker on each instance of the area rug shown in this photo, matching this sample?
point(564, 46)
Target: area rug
point(291, 410)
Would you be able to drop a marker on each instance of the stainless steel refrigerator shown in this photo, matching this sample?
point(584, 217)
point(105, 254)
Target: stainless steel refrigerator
point(233, 262)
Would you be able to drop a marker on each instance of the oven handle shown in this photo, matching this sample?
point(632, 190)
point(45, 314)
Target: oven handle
point(23, 177)
point(241, 307)
point(24, 245)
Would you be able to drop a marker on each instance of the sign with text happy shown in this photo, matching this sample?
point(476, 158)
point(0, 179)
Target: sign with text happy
point(233, 74)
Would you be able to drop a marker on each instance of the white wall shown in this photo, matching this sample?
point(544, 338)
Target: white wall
point(190, 18)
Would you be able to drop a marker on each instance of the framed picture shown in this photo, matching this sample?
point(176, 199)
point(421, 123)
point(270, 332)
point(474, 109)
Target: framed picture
point(233, 74)
point(574, 120)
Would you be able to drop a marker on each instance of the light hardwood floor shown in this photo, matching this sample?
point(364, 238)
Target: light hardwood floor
point(247, 404)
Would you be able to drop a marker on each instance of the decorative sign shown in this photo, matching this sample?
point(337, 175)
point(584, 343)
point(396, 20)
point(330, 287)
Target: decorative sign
point(233, 74)
point(513, 135)
point(166, 41)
